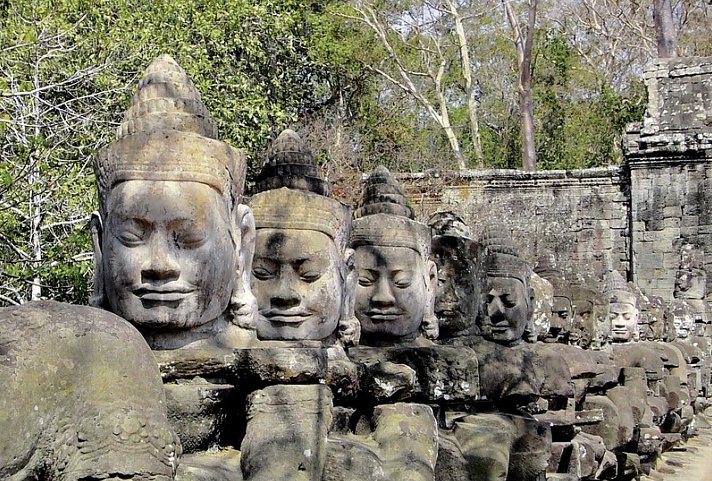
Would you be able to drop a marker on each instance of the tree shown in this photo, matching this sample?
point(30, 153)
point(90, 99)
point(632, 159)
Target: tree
point(664, 28)
point(524, 41)
point(48, 104)
point(426, 54)
point(67, 71)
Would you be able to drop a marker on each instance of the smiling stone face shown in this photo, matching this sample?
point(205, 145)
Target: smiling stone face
point(391, 296)
point(296, 279)
point(169, 258)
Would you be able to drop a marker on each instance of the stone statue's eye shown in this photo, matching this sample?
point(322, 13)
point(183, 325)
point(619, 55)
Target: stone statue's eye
point(310, 276)
point(366, 279)
point(131, 237)
point(627, 316)
point(262, 274)
point(403, 279)
point(507, 301)
point(189, 239)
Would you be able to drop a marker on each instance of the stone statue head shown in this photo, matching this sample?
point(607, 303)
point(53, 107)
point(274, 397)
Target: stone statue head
point(458, 259)
point(172, 243)
point(396, 278)
point(683, 315)
point(622, 308)
point(303, 273)
point(584, 326)
point(562, 306)
point(508, 299)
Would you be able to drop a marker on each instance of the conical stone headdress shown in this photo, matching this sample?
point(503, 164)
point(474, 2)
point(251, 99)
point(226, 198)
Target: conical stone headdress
point(502, 258)
point(618, 290)
point(168, 134)
point(448, 224)
point(384, 217)
point(547, 268)
point(291, 194)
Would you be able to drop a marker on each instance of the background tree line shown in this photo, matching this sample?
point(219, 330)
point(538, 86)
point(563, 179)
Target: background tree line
point(415, 85)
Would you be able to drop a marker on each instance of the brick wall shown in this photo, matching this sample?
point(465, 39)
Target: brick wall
point(581, 217)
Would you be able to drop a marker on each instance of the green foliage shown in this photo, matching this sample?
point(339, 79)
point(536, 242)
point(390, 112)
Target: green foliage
point(580, 118)
point(73, 65)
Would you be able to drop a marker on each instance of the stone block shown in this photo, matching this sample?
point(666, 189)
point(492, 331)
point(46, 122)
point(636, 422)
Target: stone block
point(286, 433)
point(673, 211)
point(443, 373)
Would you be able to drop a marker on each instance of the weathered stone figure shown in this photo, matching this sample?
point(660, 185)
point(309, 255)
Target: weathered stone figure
point(562, 305)
point(622, 309)
point(395, 273)
point(303, 273)
point(303, 277)
point(508, 300)
point(81, 398)
point(172, 243)
point(458, 259)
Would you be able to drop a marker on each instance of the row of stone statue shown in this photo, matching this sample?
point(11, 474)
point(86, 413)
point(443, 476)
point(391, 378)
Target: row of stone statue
point(298, 340)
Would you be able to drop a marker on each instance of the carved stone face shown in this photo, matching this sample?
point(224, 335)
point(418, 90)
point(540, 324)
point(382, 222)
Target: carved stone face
point(392, 294)
point(506, 309)
point(168, 253)
point(296, 277)
point(457, 295)
point(624, 321)
point(562, 318)
point(583, 329)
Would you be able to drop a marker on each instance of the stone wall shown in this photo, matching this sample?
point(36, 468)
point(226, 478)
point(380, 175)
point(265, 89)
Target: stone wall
point(669, 156)
point(581, 217)
point(634, 218)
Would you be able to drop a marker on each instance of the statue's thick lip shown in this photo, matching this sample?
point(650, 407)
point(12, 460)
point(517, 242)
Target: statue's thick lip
point(384, 316)
point(287, 316)
point(164, 293)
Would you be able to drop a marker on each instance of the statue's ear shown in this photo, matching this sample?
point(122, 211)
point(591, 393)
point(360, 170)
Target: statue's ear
point(430, 326)
point(349, 328)
point(243, 304)
point(530, 305)
point(98, 297)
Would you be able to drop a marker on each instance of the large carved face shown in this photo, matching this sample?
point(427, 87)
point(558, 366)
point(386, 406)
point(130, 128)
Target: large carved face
point(562, 316)
point(583, 328)
point(392, 294)
point(297, 279)
point(168, 253)
point(624, 321)
point(506, 310)
point(457, 295)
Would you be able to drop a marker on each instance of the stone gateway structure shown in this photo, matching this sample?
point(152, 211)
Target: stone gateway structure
point(539, 326)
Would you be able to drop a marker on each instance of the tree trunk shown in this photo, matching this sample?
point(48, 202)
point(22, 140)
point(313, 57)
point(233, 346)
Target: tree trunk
point(527, 125)
point(664, 28)
point(469, 87)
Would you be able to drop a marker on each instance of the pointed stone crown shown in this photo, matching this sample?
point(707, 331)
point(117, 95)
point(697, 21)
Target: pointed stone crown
point(618, 290)
point(290, 164)
point(448, 224)
point(547, 268)
point(384, 217)
point(502, 257)
point(291, 194)
point(168, 134)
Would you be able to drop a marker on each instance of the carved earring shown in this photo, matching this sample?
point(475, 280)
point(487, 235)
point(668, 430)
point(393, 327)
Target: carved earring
point(98, 296)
